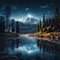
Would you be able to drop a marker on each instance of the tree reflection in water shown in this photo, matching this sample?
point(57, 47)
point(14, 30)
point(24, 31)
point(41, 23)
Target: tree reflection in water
point(25, 48)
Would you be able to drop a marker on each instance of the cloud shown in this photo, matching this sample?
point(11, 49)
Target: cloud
point(27, 9)
point(44, 6)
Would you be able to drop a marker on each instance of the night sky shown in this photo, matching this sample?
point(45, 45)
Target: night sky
point(21, 8)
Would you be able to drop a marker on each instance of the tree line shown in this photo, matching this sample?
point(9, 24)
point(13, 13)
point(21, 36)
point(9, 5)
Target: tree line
point(49, 24)
point(7, 24)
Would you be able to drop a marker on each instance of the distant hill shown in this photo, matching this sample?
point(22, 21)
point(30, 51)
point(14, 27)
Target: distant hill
point(28, 25)
point(27, 28)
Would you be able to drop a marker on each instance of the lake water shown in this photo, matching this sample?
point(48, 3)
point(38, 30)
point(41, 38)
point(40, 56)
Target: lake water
point(28, 49)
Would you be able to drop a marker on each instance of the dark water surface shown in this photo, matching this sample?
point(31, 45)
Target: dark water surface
point(25, 48)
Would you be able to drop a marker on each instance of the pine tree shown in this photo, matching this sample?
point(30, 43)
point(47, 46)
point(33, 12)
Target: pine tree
point(56, 13)
point(40, 24)
point(43, 20)
point(2, 24)
point(7, 14)
point(57, 20)
point(38, 27)
point(17, 27)
point(43, 24)
point(13, 25)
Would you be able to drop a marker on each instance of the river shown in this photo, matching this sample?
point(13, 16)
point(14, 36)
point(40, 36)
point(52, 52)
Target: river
point(27, 48)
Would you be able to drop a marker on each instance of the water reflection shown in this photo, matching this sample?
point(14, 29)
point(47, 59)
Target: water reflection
point(25, 48)
point(49, 52)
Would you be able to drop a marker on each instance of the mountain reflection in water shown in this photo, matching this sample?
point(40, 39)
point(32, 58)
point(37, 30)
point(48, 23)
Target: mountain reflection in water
point(27, 48)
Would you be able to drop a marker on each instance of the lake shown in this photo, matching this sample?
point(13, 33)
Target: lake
point(25, 48)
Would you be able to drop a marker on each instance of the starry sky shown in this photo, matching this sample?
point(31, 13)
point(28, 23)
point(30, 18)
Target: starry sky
point(36, 8)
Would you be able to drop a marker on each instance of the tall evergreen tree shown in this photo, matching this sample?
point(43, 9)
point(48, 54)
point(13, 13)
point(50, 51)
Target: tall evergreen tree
point(57, 20)
point(38, 26)
point(43, 20)
point(2, 24)
point(17, 27)
point(56, 13)
point(7, 14)
point(13, 25)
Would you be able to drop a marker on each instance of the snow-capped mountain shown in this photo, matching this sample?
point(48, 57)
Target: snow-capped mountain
point(29, 20)
point(28, 25)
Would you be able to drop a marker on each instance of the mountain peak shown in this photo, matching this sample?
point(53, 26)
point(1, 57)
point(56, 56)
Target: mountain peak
point(31, 20)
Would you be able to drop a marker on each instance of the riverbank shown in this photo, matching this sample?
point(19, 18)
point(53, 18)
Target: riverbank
point(9, 35)
point(45, 34)
point(50, 37)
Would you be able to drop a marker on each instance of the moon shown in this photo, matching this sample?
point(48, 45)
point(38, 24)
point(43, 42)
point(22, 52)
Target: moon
point(29, 15)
